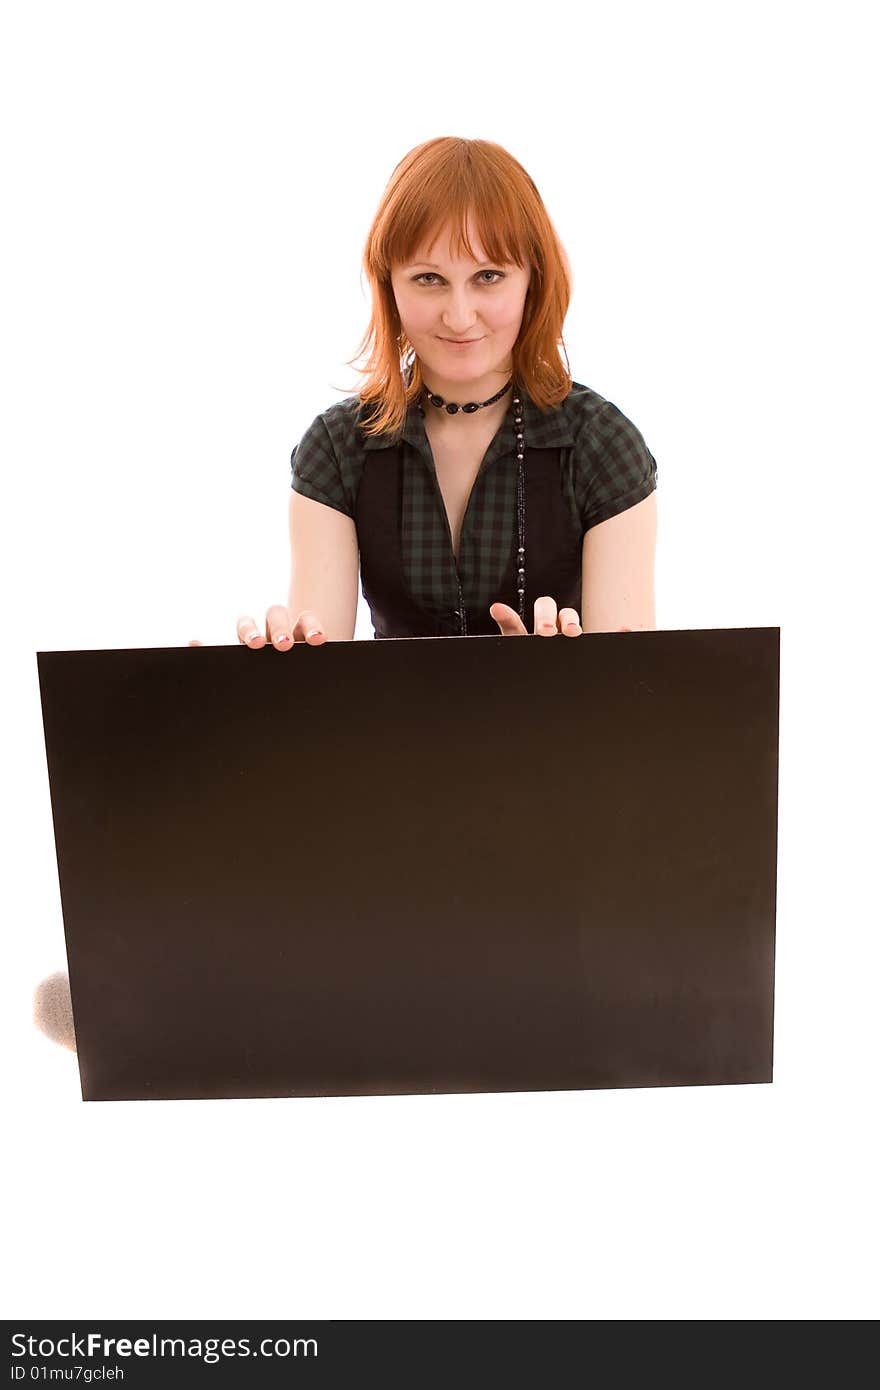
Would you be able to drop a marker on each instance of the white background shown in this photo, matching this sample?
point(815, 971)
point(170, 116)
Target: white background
point(187, 192)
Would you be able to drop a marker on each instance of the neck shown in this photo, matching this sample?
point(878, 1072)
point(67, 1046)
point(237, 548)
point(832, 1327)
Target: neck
point(463, 391)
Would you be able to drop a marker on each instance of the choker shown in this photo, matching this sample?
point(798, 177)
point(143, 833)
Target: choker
point(471, 406)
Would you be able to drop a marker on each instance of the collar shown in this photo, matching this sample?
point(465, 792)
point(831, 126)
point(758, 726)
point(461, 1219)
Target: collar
point(549, 429)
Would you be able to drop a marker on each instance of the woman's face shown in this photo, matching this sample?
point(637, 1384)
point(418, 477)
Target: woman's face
point(439, 298)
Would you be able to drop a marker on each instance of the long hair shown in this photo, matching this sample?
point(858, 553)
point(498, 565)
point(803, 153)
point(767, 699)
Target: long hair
point(438, 184)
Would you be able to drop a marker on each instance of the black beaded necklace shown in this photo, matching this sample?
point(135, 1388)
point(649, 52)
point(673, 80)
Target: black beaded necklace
point(453, 409)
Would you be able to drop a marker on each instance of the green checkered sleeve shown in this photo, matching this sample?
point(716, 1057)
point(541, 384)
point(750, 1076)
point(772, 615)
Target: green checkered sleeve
point(315, 470)
point(614, 467)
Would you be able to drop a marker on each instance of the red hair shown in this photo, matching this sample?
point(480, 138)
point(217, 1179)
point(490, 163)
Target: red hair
point(438, 184)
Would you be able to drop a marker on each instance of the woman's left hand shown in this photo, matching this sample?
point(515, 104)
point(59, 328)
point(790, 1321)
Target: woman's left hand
point(548, 622)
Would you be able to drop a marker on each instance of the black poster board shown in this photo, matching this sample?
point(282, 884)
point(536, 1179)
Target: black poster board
point(419, 865)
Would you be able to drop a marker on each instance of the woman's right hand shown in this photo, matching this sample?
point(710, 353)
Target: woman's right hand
point(281, 630)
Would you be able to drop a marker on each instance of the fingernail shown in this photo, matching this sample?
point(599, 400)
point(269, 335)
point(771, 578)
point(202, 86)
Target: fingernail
point(251, 635)
point(315, 632)
point(281, 639)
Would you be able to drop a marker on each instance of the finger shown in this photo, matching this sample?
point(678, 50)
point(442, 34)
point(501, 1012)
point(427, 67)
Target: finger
point(279, 629)
point(546, 617)
point(569, 622)
point(194, 642)
point(249, 635)
point(508, 620)
point(309, 628)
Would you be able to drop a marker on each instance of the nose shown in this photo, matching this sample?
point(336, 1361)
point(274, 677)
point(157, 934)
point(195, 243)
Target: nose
point(459, 319)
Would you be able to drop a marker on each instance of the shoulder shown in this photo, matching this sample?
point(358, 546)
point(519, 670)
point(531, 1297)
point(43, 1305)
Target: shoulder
point(339, 424)
point(593, 416)
point(582, 402)
point(612, 466)
point(327, 461)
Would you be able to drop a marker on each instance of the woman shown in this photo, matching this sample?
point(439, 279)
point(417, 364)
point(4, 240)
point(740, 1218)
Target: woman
point(476, 485)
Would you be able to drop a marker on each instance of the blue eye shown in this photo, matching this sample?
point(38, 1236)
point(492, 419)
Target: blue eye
point(430, 275)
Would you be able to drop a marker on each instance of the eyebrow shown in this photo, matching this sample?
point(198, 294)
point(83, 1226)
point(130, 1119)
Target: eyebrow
point(431, 265)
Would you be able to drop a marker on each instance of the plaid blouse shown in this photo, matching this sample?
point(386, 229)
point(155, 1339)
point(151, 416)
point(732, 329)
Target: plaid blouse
point(605, 467)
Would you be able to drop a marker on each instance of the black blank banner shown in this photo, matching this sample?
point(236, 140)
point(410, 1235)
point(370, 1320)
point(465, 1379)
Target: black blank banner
point(420, 865)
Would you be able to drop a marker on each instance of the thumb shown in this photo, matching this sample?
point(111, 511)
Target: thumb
point(509, 621)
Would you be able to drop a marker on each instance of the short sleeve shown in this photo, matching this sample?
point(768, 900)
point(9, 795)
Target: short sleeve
point(315, 471)
point(614, 468)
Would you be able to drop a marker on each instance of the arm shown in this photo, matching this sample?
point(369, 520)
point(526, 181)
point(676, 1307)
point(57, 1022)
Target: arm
point(617, 592)
point(323, 566)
